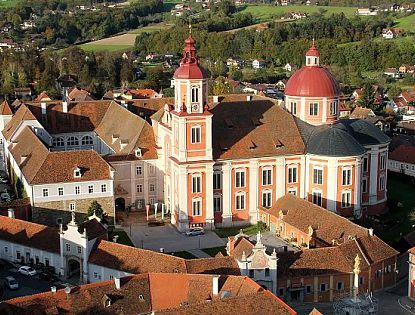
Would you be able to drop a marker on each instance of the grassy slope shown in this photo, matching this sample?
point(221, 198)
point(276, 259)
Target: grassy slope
point(265, 13)
point(407, 23)
point(8, 3)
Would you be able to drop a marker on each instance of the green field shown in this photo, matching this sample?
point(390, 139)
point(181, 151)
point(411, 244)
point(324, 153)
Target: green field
point(100, 47)
point(8, 3)
point(407, 23)
point(265, 13)
point(151, 28)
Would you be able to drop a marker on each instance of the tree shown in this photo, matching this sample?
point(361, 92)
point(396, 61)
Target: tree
point(394, 91)
point(96, 208)
point(220, 86)
point(368, 97)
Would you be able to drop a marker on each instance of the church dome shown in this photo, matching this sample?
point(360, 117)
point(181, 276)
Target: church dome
point(312, 82)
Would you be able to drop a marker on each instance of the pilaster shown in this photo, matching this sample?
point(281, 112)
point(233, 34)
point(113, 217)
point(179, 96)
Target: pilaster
point(253, 190)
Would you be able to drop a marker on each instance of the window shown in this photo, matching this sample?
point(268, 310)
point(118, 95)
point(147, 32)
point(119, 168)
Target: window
point(196, 184)
point(292, 174)
point(87, 140)
point(317, 198)
point(281, 291)
point(382, 182)
point(361, 280)
point(18, 256)
point(77, 190)
point(140, 188)
point(333, 108)
point(293, 106)
point(364, 185)
point(267, 198)
point(60, 191)
point(239, 178)
point(217, 181)
point(77, 172)
point(104, 188)
point(152, 187)
point(72, 206)
point(346, 199)
point(46, 262)
point(196, 134)
point(378, 273)
point(197, 207)
point(318, 176)
point(152, 169)
point(308, 289)
point(217, 203)
point(195, 94)
point(79, 249)
point(266, 272)
point(68, 247)
point(138, 170)
point(251, 273)
point(292, 191)
point(313, 109)
point(340, 286)
point(95, 275)
point(347, 177)
point(152, 201)
point(6, 249)
point(382, 162)
point(323, 287)
point(73, 141)
point(90, 189)
point(266, 177)
point(45, 192)
point(240, 201)
point(58, 142)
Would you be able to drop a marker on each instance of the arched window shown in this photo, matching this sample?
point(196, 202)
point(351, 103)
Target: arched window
point(87, 140)
point(197, 207)
point(195, 94)
point(73, 141)
point(58, 142)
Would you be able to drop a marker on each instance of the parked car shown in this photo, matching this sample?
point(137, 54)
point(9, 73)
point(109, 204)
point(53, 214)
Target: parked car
point(12, 283)
point(26, 270)
point(46, 276)
point(195, 231)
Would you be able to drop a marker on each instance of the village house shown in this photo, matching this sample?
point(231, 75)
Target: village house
point(369, 115)
point(323, 269)
point(345, 108)
point(393, 73)
point(290, 67)
point(389, 33)
point(367, 11)
point(402, 160)
point(155, 293)
point(258, 63)
point(7, 43)
point(405, 102)
point(407, 69)
point(23, 93)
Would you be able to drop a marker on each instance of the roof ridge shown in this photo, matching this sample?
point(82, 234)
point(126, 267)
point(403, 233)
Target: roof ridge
point(361, 251)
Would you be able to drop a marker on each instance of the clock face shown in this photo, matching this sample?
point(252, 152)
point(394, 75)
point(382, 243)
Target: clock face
point(195, 107)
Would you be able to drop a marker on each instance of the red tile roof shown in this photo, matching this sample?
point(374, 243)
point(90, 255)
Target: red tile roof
point(29, 234)
point(326, 224)
point(22, 114)
point(42, 97)
point(155, 293)
point(403, 153)
point(5, 108)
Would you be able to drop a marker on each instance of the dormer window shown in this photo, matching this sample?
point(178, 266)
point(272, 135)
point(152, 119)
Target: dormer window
point(138, 152)
point(123, 144)
point(77, 172)
point(115, 137)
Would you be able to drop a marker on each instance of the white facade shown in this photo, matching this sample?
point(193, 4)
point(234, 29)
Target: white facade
point(402, 167)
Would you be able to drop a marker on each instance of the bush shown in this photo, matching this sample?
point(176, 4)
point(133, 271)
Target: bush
point(262, 226)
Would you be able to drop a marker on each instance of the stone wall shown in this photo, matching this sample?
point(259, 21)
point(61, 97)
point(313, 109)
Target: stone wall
point(48, 213)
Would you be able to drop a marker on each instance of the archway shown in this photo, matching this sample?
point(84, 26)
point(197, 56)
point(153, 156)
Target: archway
point(74, 269)
point(119, 204)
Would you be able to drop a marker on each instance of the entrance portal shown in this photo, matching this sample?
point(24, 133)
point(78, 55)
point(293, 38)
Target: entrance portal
point(119, 204)
point(74, 269)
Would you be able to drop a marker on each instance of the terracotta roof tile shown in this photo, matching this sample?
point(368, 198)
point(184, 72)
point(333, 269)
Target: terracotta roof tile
point(5, 108)
point(218, 265)
point(242, 245)
point(29, 234)
point(22, 114)
point(403, 153)
point(327, 225)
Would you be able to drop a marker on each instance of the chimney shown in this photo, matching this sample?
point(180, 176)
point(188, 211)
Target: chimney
point(53, 289)
point(161, 250)
point(43, 106)
point(115, 238)
point(65, 106)
point(249, 98)
point(371, 232)
point(215, 99)
point(124, 104)
point(117, 282)
point(10, 213)
point(215, 285)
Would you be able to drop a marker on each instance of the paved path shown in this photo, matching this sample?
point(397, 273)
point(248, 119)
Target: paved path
point(198, 253)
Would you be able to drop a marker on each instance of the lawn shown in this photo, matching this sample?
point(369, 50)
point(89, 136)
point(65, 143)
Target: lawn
point(123, 237)
point(400, 189)
point(184, 254)
point(231, 231)
point(213, 251)
point(407, 23)
point(265, 13)
point(8, 3)
point(123, 41)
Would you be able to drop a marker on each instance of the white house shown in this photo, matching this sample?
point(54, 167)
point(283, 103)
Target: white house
point(402, 160)
point(258, 63)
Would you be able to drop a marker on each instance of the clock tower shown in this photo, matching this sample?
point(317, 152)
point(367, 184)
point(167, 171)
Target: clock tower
point(191, 155)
